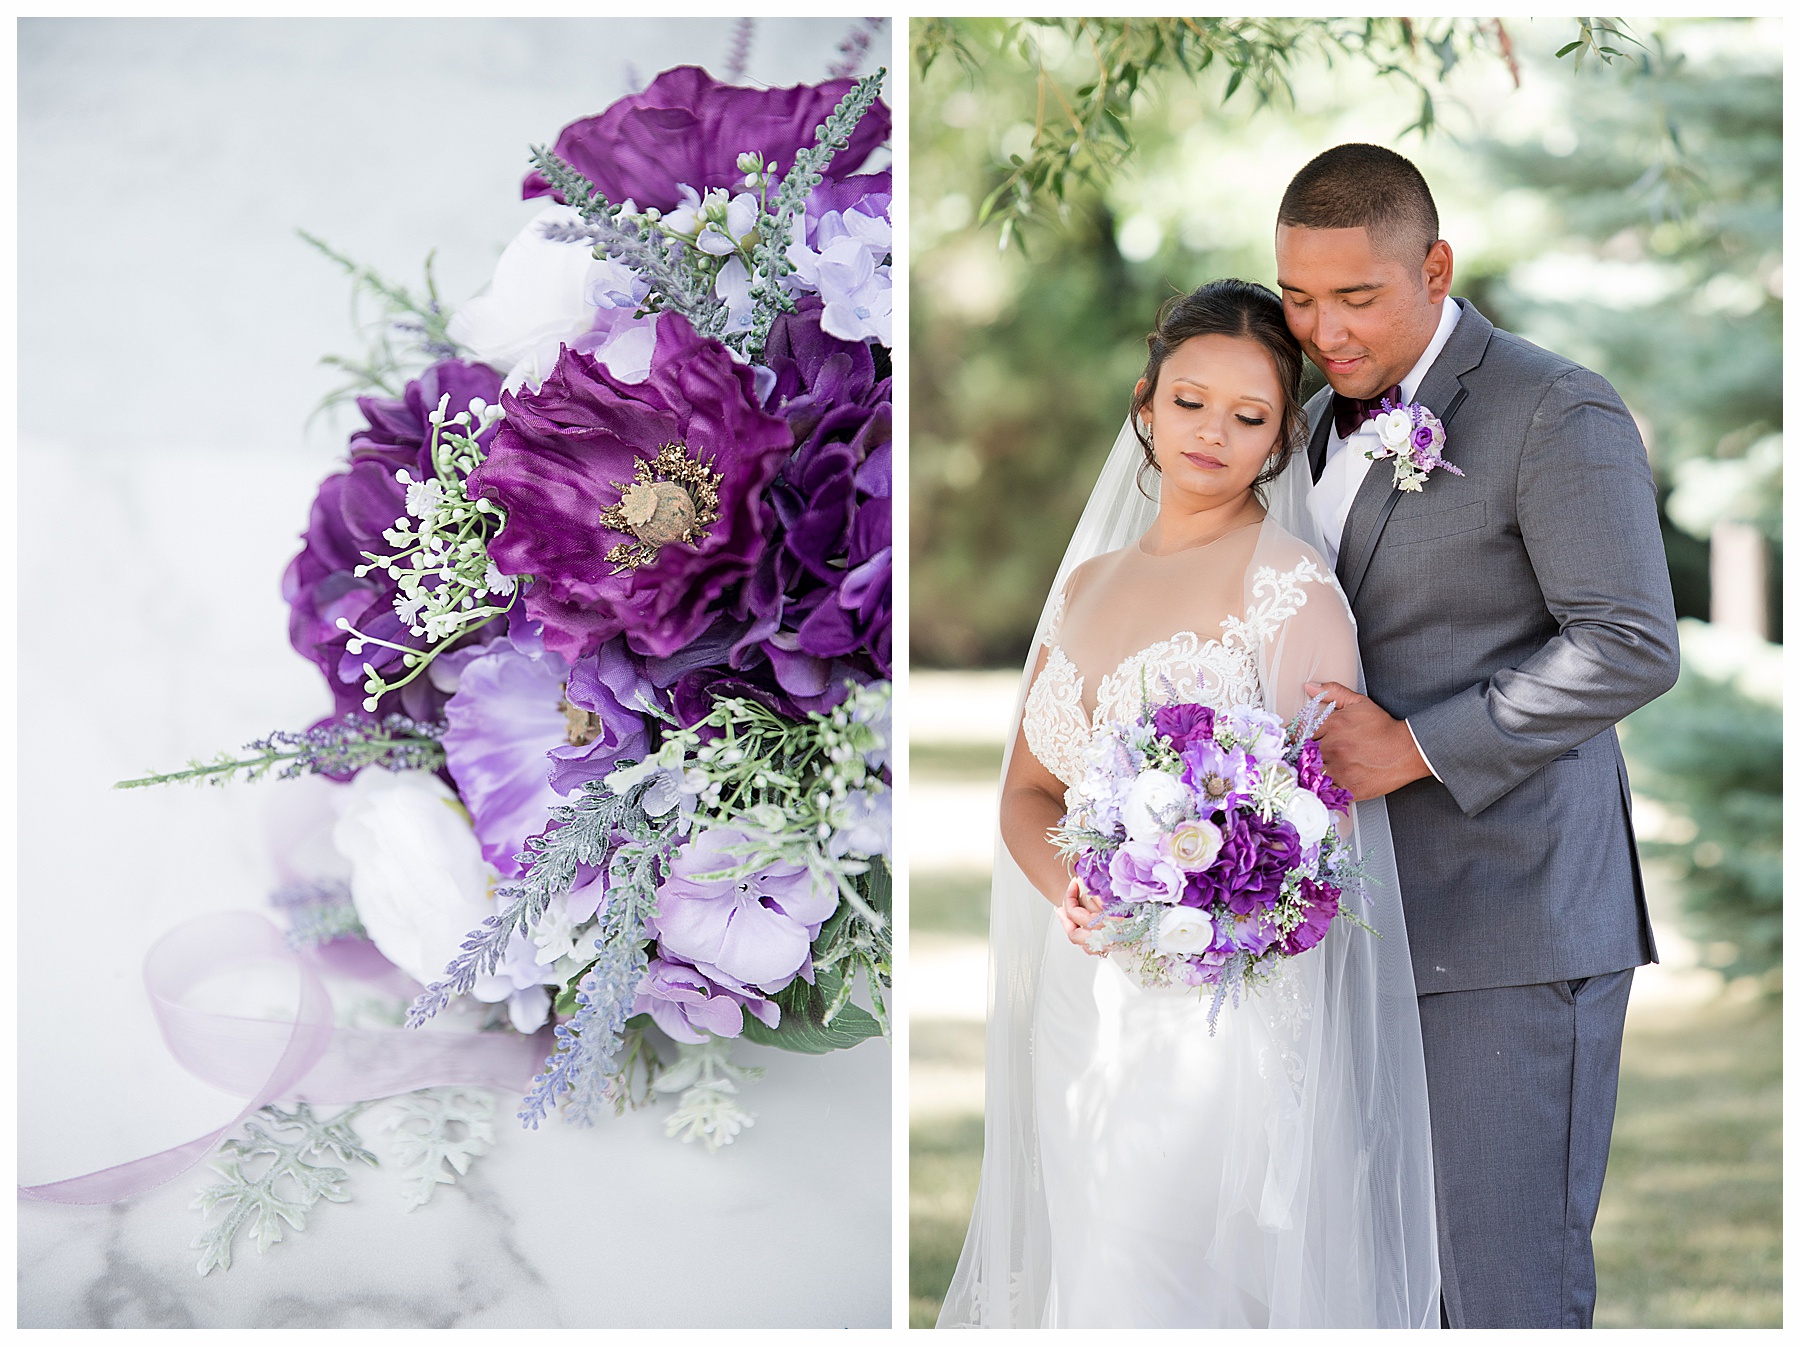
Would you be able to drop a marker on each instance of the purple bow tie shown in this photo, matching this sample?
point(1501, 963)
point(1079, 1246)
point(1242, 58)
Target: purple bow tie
point(1349, 413)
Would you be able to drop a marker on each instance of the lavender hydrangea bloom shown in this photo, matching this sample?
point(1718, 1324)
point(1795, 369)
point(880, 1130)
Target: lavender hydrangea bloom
point(352, 510)
point(688, 129)
point(568, 451)
point(750, 932)
point(827, 595)
point(687, 1006)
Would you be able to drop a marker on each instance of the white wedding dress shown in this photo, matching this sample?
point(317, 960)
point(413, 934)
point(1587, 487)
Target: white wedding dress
point(1141, 1171)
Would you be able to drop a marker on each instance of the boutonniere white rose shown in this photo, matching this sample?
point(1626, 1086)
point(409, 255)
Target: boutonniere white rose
point(1413, 436)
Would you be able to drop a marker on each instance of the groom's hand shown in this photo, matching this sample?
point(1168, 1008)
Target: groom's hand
point(1367, 751)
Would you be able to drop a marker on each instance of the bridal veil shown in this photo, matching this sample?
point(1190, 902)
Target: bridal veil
point(1341, 1206)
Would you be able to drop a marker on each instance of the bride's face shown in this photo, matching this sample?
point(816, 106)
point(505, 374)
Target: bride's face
point(1214, 418)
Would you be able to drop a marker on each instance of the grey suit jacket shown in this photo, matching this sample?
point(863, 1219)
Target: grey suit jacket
point(1514, 615)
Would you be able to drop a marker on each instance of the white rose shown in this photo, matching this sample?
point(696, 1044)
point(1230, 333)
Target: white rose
point(1151, 794)
point(1183, 930)
point(1395, 429)
point(1307, 812)
point(540, 297)
point(416, 872)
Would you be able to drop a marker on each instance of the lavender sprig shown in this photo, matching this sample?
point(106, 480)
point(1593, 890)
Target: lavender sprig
point(769, 261)
point(637, 242)
point(583, 832)
point(340, 748)
point(1307, 721)
point(586, 1062)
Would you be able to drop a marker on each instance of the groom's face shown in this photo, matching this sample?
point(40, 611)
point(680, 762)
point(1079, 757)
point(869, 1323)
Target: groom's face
point(1363, 315)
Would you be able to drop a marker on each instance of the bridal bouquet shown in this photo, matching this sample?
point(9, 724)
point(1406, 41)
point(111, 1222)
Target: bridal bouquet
point(1209, 838)
point(602, 596)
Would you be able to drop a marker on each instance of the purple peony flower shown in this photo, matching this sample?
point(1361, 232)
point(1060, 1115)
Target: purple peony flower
point(688, 129)
point(1248, 873)
point(754, 932)
point(1422, 437)
point(1185, 724)
point(525, 729)
point(1321, 905)
point(687, 1006)
point(352, 510)
point(1311, 769)
point(569, 451)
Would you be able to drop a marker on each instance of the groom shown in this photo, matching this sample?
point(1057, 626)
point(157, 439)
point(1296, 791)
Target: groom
point(1508, 617)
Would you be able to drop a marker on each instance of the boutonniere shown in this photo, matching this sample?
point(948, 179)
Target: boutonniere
point(1413, 436)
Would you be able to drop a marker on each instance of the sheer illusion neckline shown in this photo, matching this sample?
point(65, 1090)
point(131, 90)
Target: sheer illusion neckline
point(1139, 548)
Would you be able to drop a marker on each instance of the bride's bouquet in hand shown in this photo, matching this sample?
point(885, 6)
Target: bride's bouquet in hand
point(1210, 841)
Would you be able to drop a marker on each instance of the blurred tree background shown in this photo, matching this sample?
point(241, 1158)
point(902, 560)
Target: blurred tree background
point(1612, 192)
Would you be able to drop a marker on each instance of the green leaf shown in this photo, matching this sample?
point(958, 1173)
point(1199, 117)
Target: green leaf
point(1564, 51)
point(803, 1027)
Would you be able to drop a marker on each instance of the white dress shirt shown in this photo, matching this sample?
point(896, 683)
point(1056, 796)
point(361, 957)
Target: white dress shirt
point(1347, 462)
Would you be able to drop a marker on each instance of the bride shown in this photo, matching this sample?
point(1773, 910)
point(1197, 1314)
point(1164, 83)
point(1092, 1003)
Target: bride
point(1139, 1170)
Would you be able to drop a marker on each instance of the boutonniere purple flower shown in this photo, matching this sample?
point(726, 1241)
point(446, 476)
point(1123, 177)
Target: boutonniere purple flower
point(1413, 436)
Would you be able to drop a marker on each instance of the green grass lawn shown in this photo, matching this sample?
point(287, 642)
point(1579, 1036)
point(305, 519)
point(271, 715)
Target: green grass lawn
point(1689, 1233)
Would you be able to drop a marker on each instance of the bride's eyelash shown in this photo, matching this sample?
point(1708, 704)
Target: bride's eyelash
point(1187, 406)
point(1247, 420)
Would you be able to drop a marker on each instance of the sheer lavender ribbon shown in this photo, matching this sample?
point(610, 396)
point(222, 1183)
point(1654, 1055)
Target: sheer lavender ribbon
point(312, 1059)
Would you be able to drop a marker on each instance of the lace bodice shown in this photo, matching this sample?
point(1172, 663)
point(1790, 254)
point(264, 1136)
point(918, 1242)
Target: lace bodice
point(1220, 671)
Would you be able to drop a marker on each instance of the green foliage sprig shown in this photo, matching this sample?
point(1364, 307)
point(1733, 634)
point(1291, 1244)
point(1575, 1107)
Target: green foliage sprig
point(406, 333)
point(1083, 132)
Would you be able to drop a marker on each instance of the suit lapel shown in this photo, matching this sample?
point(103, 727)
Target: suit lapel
point(1321, 433)
point(1443, 392)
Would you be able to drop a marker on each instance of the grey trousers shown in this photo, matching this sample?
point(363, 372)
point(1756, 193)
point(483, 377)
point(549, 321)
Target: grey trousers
point(1523, 1081)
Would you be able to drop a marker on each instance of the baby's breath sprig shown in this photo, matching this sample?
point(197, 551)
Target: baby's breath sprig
point(441, 564)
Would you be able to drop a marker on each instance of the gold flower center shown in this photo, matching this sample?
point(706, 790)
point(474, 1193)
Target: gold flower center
point(580, 727)
point(658, 511)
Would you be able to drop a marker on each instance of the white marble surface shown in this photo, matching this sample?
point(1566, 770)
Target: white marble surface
point(168, 332)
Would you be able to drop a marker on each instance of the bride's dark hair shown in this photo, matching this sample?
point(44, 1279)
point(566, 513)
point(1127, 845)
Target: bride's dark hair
point(1238, 308)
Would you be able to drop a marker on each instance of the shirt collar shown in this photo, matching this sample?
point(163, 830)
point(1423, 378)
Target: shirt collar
point(1447, 319)
point(1448, 316)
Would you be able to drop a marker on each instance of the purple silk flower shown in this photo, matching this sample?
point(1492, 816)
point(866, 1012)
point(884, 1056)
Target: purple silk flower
point(1252, 863)
point(687, 1005)
point(751, 934)
point(568, 451)
point(525, 729)
point(687, 129)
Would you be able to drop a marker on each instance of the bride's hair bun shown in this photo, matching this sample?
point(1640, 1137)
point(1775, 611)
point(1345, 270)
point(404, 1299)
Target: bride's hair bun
point(1237, 308)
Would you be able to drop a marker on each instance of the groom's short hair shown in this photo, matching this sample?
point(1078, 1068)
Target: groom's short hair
point(1364, 187)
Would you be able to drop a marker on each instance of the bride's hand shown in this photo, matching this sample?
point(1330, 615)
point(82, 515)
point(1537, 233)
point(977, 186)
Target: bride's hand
point(1079, 914)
